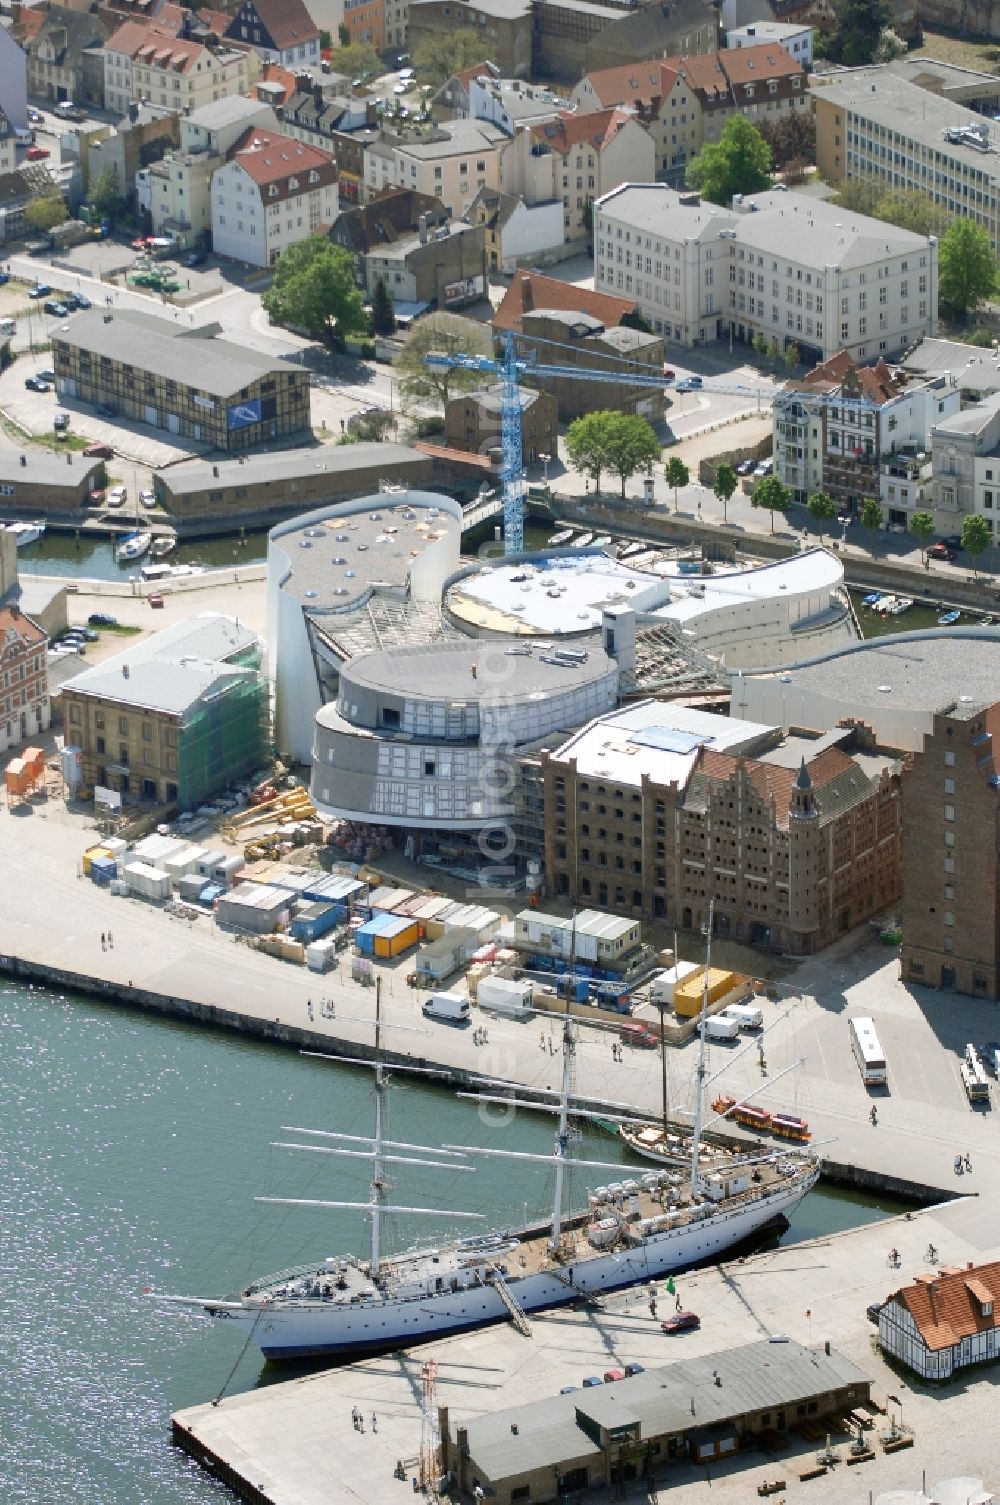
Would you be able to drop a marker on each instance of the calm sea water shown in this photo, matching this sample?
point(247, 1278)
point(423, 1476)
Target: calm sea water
point(93, 558)
point(133, 1151)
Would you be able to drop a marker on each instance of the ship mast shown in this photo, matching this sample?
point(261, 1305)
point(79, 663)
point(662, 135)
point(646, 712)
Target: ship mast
point(562, 1133)
point(699, 1080)
point(378, 1162)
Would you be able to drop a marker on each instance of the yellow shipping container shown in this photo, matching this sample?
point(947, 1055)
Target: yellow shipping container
point(89, 855)
point(688, 994)
point(395, 945)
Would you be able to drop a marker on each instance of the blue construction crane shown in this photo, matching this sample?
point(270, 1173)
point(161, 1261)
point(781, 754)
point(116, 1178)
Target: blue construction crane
point(510, 367)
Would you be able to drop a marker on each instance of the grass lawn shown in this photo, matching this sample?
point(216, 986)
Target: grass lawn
point(964, 52)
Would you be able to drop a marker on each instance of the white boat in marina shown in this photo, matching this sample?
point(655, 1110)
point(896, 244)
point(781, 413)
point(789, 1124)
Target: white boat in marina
point(602, 541)
point(631, 1232)
point(25, 533)
point(584, 541)
point(133, 546)
point(561, 539)
point(163, 546)
point(901, 604)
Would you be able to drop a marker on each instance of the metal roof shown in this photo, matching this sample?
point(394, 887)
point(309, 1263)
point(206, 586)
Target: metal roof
point(694, 1394)
point(285, 465)
point(190, 357)
point(174, 669)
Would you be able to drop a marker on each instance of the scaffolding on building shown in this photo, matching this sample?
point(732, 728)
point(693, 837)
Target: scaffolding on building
point(226, 736)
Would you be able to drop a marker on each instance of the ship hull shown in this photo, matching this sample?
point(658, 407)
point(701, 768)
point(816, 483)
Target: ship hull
point(306, 1329)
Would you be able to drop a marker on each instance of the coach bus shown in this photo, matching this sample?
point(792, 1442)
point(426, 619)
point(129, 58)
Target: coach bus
point(868, 1053)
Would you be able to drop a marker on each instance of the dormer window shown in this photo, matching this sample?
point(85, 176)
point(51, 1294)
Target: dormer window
point(272, 192)
point(293, 184)
point(313, 175)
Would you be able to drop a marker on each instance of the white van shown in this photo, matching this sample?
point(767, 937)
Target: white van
point(452, 1008)
point(747, 1015)
point(718, 1027)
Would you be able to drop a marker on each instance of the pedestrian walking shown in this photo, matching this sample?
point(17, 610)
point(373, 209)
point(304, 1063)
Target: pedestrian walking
point(873, 1115)
point(104, 943)
point(959, 1165)
point(309, 1009)
point(111, 941)
point(677, 1303)
point(374, 1422)
point(968, 1162)
point(652, 1306)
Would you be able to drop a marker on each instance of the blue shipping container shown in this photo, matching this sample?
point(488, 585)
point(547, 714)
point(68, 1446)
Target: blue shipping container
point(315, 922)
point(211, 892)
point(103, 869)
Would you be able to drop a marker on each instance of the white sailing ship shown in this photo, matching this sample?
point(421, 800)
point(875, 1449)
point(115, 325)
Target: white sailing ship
point(633, 1231)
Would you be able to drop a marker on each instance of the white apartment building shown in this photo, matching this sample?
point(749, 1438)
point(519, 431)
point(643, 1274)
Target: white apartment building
point(798, 40)
point(177, 190)
point(873, 123)
point(574, 159)
point(272, 193)
point(451, 162)
point(794, 269)
point(966, 467)
point(143, 63)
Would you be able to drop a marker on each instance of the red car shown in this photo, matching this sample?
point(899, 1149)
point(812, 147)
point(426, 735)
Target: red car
point(613, 1374)
point(99, 452)
point(681, 1322)
point(156, 599)
point(96, 498)
point(36, 153)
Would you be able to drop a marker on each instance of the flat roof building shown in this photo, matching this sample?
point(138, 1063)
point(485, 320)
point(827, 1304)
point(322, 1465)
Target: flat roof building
point(701, 1409)
point(181, 379)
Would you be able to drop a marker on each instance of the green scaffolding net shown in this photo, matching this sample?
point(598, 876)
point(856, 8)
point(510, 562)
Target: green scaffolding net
point(226, 737)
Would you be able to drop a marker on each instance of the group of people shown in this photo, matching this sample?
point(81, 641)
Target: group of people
point(963, 1163)
point(480, 1036)
point(616, 1050)
point(327, 1009)
point(107, 941)
point(546, 1039)
point(358, 1418)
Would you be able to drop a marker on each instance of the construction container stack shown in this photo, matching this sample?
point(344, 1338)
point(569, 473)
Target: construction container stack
point(147, 882)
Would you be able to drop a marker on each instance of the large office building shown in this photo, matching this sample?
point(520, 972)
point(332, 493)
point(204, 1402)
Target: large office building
point(794, 269)
point(657, 810)
point(178, 378)
point(877, 124)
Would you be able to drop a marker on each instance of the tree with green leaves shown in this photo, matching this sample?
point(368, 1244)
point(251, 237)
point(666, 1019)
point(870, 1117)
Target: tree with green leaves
point(773, 494)
point(45, 211)
point(104, 191)
point(792, 138)
point(383, 315)
point(632, 446)
point(822, 509)
point(966, 266)
point(739, 162)
point(977, 535)
point(677, 475)
point(314, 289)
point(792, 355)
point(726, 482)
point(907, 208)
point(922, 528)
point(587, 446)
point(890, 47)
point(440, 54)
point(760, 344)
point(355, 59)
point(872, 518)
point(441, 334)
point(855, 37)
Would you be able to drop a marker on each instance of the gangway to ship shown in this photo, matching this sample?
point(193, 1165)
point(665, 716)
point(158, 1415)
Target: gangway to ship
point(517, 1314)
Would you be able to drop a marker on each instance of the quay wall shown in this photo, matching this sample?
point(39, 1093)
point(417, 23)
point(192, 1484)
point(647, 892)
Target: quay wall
point(276, 1032)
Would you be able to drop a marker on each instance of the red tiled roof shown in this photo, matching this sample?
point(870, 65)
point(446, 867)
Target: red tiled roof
point(215, 20)
point(466, 75)
point(748, 65)
point(274, 160)
point(28, 24)
point(273, 73)
point(531, 290)
point(773, 781)
point(573, 128)
point(154, 48)
point(874, 382)
point(946, 1307)
point(632, 82)
point(12, 619)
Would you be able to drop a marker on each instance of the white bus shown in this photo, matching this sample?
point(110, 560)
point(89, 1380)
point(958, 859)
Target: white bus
point(977, 1088)
point(868, 1053)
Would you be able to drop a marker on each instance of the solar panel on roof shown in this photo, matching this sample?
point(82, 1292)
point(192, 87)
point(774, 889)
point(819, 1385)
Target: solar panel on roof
point(665, 739)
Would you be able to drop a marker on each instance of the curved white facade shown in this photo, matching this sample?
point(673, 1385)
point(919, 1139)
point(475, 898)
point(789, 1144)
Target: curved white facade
point(324, 567)
point(425, 737)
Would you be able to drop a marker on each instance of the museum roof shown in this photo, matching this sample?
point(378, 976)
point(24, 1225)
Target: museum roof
point(947, 671)
point(477, 669)
point(658, 740)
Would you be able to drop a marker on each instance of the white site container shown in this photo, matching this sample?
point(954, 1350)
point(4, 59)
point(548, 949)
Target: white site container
point(321, 955)
point(503, 995)
point(661, 989)
point(747, 1015)
point(147, 882)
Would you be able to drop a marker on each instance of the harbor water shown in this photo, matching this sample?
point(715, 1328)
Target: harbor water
point(88, 556)
point(134, 1149)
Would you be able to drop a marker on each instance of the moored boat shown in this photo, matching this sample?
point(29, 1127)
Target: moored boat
point(133, 546)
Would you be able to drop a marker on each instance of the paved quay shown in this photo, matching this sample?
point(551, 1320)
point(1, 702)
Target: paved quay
point(923, 1121)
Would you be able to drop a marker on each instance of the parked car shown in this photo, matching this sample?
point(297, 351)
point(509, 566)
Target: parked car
point(35, 384)
point(195, 259)
point(147, 498)
point(117, 496)
point(35, 117)
point(941, 551)
point(631, 1369)
point(99, 452)
point(56, 308)
point(77, 300)
point(156, 599)
point(610, 1375)
point(745, 468)
point(40, 290)
point(569, 1390)
point(97, 497)
point(60, 423)
point(90, 635)
point(46, 374)
point(591, 1381)
point(36, 153)
point(681, 1322)
point(101, 619)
